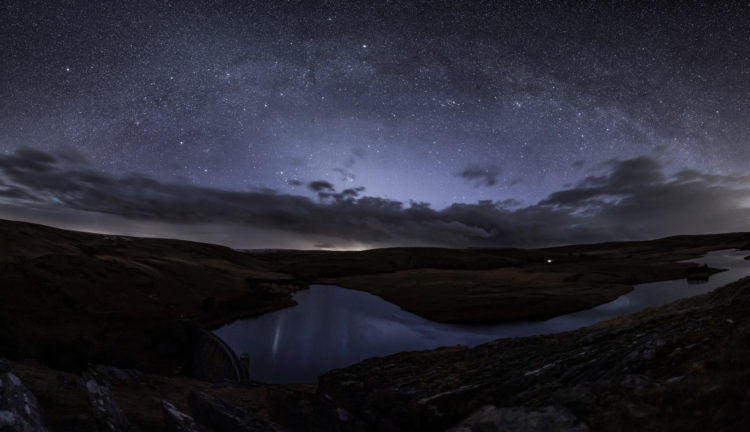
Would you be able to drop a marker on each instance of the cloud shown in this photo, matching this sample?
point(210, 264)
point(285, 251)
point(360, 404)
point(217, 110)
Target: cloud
point(351, 192)
point(320, 186)
point(633, 199)
point(480, 176)
point(637, 200)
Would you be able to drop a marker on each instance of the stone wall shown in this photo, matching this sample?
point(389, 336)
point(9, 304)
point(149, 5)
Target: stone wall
point(213, 360)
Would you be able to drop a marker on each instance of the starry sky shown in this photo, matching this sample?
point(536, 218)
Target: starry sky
point(351, 124)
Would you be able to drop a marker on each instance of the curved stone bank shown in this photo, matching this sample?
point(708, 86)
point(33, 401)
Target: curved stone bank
point(214, 360)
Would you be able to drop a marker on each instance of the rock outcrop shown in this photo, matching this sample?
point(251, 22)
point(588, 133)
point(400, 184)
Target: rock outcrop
point(19, 409)
point(177, 421)
point(108, 415)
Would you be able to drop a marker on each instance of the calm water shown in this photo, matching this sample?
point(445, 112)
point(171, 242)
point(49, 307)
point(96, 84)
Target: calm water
point(333, 327)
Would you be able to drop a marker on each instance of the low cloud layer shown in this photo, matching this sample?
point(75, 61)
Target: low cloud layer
point(633, 199)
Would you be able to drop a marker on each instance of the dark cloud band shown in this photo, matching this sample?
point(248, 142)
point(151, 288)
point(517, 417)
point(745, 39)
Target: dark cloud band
point(634, 199)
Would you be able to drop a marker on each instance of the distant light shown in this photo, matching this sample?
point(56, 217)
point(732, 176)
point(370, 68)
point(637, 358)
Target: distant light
point(549, 261)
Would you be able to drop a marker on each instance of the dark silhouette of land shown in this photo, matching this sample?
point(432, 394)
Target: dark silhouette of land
point(71, 300)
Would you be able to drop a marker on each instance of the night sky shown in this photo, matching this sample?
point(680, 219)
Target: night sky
point(346, 125)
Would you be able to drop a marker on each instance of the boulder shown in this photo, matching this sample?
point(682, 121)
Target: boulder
point(108, 415)
point(19, 409)
point(177, 421)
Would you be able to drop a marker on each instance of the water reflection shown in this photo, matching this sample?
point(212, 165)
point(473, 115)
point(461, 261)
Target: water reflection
point(333, 327)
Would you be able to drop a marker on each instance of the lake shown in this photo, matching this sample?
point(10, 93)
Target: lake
point(333, 327)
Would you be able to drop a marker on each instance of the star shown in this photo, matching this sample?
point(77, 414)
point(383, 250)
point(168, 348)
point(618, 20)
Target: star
point(392, 94)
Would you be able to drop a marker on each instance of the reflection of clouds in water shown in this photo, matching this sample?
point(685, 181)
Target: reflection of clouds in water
point(333, 327)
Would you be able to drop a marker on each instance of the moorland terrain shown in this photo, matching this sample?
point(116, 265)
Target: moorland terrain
point(81, 312)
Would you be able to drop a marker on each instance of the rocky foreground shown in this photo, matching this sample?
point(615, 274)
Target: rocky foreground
point(683, 366)
point(97, 332)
